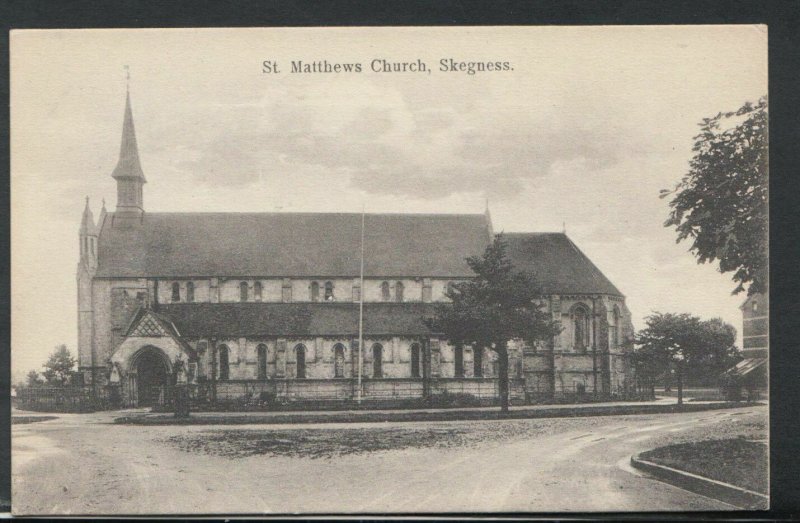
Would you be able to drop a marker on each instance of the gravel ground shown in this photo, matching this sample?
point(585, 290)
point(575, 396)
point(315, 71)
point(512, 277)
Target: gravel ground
point(330, 442)
point(85, 464)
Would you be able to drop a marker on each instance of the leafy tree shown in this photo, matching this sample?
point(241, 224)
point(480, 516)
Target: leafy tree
point(33, 379)
point(496, 306)
point(59, 366)
point(721, 203)
point(684, 342)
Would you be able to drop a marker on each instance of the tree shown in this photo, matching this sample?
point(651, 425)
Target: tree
point(33, 379)
point(59, 366)
point(496, 306)
point(684, 342)
point(721, 203)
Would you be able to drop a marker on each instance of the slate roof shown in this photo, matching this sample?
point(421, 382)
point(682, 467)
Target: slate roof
point(296, 319)
point(559, 266)
point(291, 245)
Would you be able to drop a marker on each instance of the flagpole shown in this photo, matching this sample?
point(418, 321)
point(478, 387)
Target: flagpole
point(361, 309)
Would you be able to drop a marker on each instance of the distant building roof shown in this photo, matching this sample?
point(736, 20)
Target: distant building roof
point(560, 267)
point(291, 245)
point(198, 320)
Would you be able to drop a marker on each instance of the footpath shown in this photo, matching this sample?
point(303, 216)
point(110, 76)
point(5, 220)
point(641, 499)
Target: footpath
point(662, 405)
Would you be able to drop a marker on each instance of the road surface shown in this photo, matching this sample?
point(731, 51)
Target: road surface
point(82, 464)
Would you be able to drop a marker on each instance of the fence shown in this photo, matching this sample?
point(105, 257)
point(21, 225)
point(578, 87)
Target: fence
point(62, 399)
point(325, 393)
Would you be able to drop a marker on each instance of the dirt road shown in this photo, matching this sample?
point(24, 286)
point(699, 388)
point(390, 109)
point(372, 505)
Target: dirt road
point(82, 464)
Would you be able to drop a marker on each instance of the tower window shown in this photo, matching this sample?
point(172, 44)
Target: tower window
point(398, 291)
point(385, 293)
point(258, 291)
point(314, 291)
point(328, 291)
point(176, 291)
point(243, 291)
point(190, 291)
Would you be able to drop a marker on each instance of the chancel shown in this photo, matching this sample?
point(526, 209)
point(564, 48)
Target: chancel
point(273, 299)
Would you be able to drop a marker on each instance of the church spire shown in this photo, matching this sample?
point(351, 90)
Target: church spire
point(128, 172)
point(128, 165)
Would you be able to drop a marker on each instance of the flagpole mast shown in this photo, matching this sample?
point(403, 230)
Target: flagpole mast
point(361, 309)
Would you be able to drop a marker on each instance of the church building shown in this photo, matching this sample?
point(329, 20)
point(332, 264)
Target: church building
point(254, 302)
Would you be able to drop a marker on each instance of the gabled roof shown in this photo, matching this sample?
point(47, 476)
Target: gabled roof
point(291, 245)
point(199, 320)
point(559, 266)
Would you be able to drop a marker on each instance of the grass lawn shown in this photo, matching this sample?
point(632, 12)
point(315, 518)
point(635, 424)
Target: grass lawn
point(736, 461)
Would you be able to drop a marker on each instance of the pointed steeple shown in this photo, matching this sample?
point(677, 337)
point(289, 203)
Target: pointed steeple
point(128, 173)
point(128, 165)
point(102, 216)
point(489, 227)
point(87, 222)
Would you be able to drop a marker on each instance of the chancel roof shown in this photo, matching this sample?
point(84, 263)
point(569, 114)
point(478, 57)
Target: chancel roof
point(559, 266)
point(291, 245)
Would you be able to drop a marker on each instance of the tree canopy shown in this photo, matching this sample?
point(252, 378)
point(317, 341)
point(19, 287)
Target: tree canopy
point(721, 204)
point(59, 366)
point(496, 306)
point(685, 341)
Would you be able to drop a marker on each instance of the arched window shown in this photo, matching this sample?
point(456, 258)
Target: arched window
point(338, 361)
point(224, 363)
point(580, 327)
point(385, 293)
point(377, 361)
point(459, 357)
point(243, 291)
point(477, 362)
point(300, 351)
point(190, 291)
point(328, 291)
point(398, 291)
point(415, 356)
point(176, 291)
point(614, 328)
point(755, 305)
point(262, 361)
point(257, 291)
point(314, 291)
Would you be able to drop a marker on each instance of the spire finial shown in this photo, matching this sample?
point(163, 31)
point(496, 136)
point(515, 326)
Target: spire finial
point(87, 201)
point(127, 78)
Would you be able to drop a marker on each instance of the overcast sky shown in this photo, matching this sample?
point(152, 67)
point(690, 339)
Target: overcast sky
point(585, 130)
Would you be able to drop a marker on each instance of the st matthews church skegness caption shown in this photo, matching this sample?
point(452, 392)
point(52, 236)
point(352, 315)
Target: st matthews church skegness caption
point(382, 65)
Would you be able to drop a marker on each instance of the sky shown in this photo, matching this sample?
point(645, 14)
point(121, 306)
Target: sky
point(580, 133)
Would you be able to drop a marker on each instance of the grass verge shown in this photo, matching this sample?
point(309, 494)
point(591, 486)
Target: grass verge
point(211, 418)
point(737, 461)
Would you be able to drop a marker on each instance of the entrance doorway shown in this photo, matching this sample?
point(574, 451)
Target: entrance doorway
point(152, 375)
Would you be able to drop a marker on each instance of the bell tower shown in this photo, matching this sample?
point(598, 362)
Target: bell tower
point(128, 172)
